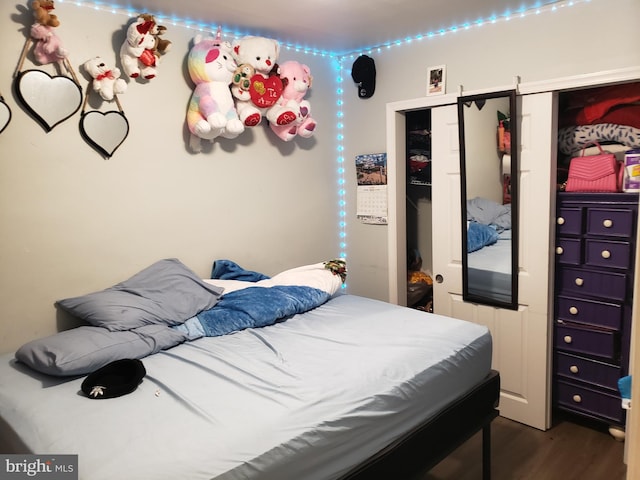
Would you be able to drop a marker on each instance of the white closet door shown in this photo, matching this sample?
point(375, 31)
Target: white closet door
point(445, 210)
point(521, 338)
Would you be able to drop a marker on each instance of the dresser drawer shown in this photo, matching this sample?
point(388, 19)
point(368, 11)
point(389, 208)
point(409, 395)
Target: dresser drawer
point(578, 368)
point(610, 222)
point(569, 251)
point(589, 341)
point(590, 312)
point(610, 285)
point(605, 253)
point(569, 221)
point(591, 401)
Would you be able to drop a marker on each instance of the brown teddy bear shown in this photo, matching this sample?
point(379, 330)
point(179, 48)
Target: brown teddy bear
point(42, 13)
point(162, 44)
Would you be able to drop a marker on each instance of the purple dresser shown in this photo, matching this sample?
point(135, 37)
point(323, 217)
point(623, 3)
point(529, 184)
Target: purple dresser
point(595, 249)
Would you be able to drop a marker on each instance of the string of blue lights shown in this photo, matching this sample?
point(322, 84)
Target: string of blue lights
point(340, 62)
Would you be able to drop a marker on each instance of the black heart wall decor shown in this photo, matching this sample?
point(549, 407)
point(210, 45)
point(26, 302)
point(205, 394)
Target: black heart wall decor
point(104, 131)
point(5, 114)
point(50, 100)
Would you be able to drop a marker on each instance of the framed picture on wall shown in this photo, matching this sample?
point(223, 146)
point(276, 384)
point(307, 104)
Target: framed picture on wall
point(436, 77)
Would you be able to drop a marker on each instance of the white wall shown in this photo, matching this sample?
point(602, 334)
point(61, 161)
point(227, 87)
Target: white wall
point(589, 37)
point(72, 222)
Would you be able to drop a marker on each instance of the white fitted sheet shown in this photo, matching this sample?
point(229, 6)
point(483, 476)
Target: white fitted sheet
point(307, 398)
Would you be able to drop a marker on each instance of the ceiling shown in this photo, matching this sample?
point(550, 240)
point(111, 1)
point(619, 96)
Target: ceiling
point(334, 26)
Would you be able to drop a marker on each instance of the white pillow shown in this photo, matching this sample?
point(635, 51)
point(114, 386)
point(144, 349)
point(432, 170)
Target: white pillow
point(314, 276)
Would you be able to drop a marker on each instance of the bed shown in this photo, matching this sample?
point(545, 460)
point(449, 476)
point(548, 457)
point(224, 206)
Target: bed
point(490, 269)
point(488, 239)
point(352, 389)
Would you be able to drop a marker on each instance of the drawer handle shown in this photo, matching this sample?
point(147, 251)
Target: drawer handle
point(559, 250)
point(607, 223)
point(579, 281)
point(577, 398)
point(567, 339)
point(573, 310)
point(606, 254)
point(573, 369)
point(560, 221)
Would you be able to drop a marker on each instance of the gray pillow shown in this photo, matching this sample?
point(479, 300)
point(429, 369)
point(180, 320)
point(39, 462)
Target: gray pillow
point(83, 350)
point(165, 293)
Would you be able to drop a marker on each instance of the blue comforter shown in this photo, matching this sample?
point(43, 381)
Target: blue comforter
point(479, 236)
point(258, 307)
point(252, 306)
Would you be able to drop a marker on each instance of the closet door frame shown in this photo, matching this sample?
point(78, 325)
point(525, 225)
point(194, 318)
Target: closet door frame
point(397, 188)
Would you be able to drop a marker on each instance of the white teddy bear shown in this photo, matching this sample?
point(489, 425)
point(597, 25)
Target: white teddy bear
point(137, 51)
point(263, 90)
point(106, 81)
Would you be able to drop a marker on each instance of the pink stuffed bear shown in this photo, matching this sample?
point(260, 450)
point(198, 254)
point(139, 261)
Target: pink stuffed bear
point(211, 112)
point(48, 48)
point(297, 80)
point(260, 98)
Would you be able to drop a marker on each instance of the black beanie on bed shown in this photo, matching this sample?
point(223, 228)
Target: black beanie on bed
point(114, 379)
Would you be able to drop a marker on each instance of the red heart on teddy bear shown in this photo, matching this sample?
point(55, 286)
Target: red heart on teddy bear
point(265, 92)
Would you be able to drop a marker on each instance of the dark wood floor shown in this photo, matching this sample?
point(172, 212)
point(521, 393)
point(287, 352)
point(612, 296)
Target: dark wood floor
point(567, 451)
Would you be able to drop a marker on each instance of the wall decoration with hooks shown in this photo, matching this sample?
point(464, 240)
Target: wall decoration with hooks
point(50, 100)
point(104, 131)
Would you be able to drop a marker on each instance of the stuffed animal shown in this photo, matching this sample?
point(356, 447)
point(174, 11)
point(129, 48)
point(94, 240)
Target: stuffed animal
point(42, 13)
point(297, 80)
point(48, 47)
point(106, 81)
point(241, 82)
point(264, 88)
point(137, 51)
point(162, 45)
point(211, 112)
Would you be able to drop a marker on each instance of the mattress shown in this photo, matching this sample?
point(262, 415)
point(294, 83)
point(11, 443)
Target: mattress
point(489, 270)
point(309, 397)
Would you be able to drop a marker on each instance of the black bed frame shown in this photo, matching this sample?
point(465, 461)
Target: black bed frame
point(425, 446)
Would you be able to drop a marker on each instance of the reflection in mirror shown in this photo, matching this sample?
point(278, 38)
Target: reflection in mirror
point(51, 100)
point(489, 172)
point(5, 114)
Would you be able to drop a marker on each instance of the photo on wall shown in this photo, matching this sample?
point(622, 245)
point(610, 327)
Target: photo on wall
point(437, 80)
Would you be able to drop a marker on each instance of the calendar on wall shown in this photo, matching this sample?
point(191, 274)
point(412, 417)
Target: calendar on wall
point(372, 199)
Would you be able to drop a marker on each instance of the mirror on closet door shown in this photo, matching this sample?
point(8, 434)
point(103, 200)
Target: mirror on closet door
point(489, 191)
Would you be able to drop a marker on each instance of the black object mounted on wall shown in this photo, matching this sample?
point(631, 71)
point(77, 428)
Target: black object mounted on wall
point(49, 100)
point(5, 114)
point(104, 131)
point(363, 73)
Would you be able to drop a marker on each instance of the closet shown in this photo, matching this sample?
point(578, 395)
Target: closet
point(418, 209)
point(594, 258)
point(524, 350)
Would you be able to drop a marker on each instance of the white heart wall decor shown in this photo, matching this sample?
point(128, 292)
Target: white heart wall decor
point(50, 100)
point(5, 114)
point(104, 131)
